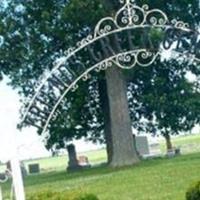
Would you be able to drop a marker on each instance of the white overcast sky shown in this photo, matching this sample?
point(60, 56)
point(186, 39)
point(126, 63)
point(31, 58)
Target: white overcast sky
point(28, 143)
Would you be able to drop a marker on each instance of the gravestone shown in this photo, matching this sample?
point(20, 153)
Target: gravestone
point(34, 168)
point(83, 161)
point(73, 162)
point(173, 152)
point(142, 145)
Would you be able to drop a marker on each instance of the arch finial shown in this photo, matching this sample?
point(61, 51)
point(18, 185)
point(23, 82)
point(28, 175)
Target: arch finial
point(127, 1)
point(128, 4)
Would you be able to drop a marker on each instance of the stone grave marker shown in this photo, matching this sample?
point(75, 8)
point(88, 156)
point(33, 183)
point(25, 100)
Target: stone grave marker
point(34, 168)
point(83, 161)
point(73, 164)
point(142, 145)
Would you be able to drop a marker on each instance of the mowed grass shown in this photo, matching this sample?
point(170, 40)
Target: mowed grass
point(160, 179)
point(59, 163)
point(188, 144)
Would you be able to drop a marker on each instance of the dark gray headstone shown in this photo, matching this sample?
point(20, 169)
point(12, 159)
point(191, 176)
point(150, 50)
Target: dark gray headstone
point(34, 168)
point(177, 151)
point(73, 162)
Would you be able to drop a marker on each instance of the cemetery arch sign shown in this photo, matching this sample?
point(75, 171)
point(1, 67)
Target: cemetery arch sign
point(130, 24)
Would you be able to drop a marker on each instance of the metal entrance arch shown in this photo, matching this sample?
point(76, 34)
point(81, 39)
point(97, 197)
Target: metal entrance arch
point(65, 77)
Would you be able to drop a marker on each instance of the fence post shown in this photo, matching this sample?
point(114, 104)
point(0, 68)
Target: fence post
point(17, 179)
point(1, 196)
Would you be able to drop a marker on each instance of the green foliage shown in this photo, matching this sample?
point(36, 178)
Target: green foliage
point(164, 97)
point(194, 192)
point(40, 32)
point(156, 36)
point(49, 195)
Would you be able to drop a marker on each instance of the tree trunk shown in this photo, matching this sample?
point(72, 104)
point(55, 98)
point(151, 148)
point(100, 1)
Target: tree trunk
point(106, 115)
point(169, 145)
point(123, 146)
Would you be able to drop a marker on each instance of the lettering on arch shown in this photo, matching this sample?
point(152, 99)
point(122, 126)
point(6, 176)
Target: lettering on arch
point(134, 36)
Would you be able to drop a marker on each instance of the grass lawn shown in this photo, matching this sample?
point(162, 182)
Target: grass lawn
point(160, 179)
point(59, 163)
point(189, 144)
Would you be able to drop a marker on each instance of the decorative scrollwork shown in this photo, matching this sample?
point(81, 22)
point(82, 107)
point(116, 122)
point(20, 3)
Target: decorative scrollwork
point(125, 1)
point(74, 87)
point(126, 61)
point(69, 51)
point(86, 77)
point(129, 16)
point(159, 33)
point(146, 58)
point(104, 65)
point(180, 24)
point(104, 26)
point(156, 17)
point(141, 57)
point(85, 40)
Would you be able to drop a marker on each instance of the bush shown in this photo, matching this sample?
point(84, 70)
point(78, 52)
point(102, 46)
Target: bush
point(194, 192)
point(49, 195)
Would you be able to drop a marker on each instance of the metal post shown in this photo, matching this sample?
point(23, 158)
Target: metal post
point(17, 179)
point(1, 196)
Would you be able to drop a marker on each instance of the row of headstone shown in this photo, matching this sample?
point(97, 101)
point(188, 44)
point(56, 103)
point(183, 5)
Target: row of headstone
point(77, 163)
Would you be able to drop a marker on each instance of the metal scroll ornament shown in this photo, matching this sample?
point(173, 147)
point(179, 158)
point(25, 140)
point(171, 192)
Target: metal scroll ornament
point(63, 78)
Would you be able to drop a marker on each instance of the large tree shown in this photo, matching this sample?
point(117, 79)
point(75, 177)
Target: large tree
point(167, 100)
point(37, 32)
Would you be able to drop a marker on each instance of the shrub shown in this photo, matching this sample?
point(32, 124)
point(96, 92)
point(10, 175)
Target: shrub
point(194, 192)
point(49, 195)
